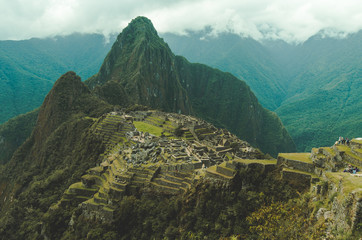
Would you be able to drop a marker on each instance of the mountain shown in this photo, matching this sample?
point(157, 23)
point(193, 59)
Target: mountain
point(57, 152)
point(95, 170)
point(30, 67)
point(245, 58)
point(92, 171)
point(142, 65)
point(162, 89)
point(14, 132)
point(314, 87)
point(324, 93)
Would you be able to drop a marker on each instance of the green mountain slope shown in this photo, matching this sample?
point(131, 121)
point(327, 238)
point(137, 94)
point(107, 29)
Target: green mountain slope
point(314, 87)
point(58, 151)
point(29, 68)
point(224, 100)
point(89, 172)
point(146, 69)
point(14, 132)
point(245, 58)
point(325, 95)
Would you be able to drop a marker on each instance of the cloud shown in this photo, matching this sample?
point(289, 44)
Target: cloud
point(292, 20)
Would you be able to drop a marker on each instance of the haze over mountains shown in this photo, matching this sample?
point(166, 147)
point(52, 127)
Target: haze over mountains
point(111, 157)
point(29, 68)
point(315, 87)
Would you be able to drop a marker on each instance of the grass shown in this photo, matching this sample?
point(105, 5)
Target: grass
point(358, 150)
point(146, 127)
point(350, 182)
point(298, 171)
point(212, 170)
point(329, 150)
point(357, 141)
point(303, 157)
point(264, 161)
point(348, 151)
point(79, 185)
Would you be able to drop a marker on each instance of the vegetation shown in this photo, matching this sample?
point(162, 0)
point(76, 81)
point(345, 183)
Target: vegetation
point(206, 211)
point(210, 94)
point(14, 132)
point(56, 154)
point(65, 144)
point(30, 67)
point(314, 87)
point(146, 127)
point(304, 157)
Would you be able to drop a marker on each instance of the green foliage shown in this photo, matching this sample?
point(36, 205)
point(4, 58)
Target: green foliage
point(60, 149)
point(227, 102)
point(315, 87)
point(14, 132)
point(207, 210)
point(30, 67)
point(245, 58)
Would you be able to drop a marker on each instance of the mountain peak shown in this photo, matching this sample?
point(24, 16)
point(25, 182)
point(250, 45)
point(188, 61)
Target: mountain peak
point(143, 65)
point(138, 30)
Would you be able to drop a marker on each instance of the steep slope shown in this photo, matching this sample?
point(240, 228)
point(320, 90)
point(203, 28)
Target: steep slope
point(87, 170)
point(14, 132)
point(314, 87)
point(324, 91)
point(245, 58)
point(144, 66)
point(227, 102)
point(29, 68)
point(59, 149)
point(146, 69)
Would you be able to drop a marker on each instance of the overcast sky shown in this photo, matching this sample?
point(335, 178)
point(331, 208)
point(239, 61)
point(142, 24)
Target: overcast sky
point(291, 20)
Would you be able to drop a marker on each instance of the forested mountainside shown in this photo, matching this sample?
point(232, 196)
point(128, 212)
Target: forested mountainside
point(315, 86)
point(141, 69)
point(290, 79)
point(29, 68)
point(91, 170)
point(245, 58)
point(170, 83)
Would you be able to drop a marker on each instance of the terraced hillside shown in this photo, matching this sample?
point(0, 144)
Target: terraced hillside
point(166, 153)
point(325, 172)
point(151, 151)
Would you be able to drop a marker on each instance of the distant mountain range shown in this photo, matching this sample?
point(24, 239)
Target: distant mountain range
point(74, 130)
point(315, 87)
point(141, 69)
point(99, 160)
point(29, 68)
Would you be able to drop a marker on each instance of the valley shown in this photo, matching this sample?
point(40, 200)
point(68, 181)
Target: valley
point(153, 146)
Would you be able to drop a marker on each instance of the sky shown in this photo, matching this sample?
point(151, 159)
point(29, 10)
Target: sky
point(290, 20)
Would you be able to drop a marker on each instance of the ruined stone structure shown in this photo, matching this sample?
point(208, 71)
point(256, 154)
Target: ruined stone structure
point(143, 154)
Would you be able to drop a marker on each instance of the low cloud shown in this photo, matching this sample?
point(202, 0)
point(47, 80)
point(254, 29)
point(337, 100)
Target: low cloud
point(293, 20)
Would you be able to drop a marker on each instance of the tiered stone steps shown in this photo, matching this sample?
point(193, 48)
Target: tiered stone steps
point(188, 135)
point(297, 161)
point(203, 132)
point(298, 169)
point(97, 207)
point(156, 121)
point(223, 171)
point(113, 129)
point(266, 165)
point(349, 154)
point(77, 193)
point(172, 182)
point(168, 127)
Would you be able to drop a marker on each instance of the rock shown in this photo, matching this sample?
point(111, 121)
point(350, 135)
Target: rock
point(321, 212)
